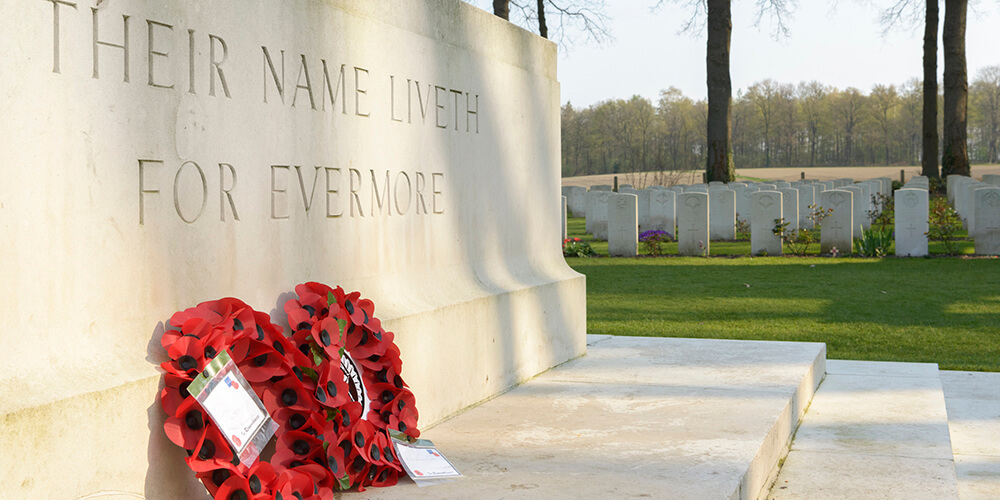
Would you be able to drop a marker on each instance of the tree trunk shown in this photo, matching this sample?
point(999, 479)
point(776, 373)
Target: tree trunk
point(719, 161)
point(502, 8)
point(929, 160)
point(542, 28)
point(955, 157)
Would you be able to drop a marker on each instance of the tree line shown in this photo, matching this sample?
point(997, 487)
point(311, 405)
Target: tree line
point(773, 125)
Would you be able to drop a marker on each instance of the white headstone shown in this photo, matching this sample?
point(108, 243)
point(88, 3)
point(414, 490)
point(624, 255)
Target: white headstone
point(601, 187)
point(743, 203)
point(589, 222)
point(991, 179)
point(578, 201)
point(838, 228)
point(564, 231)
point(625, 186)
point(987, 233)
point(600, 205)
point(722, 206)
point(698, 188)
point(807, 197)
point(643, 197)
point(860, 207)
point(623, 234)
point(911, 222)
point(790, 207)
point(967, 200)
point(782, 184)
point(628, 190)
point(952, 185)
point(766, 207)
point(692, 224)
point(866, 201)
point(662, 212)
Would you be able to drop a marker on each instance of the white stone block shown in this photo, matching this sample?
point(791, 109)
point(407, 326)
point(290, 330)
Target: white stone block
point(743, 201)
point(952, 187)
point(991, 179)
point(911, 222)
point(837, 229)
point(967, 200)
point(987, 234)
point(426, 186)
point(866, 201)
point(662, 212)
point(722, 206)
point(623, 234)
point(766, 207)
point(692, 224)
point(589, 221)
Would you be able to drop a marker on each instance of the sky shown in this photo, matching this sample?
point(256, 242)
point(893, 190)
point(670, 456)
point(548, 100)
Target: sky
point(840, 46)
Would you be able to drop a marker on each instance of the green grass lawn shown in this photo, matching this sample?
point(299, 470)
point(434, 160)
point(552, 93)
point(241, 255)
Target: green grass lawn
point(941, 310)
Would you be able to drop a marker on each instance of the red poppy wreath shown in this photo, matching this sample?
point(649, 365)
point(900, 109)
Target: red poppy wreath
point(333, 388)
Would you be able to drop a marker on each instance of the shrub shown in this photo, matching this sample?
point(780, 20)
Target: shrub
point(575, 247)
point(742, 228)
point(884, 213)
point(873, 242)
point(654, 240)
point(796, 240)
point(944, 222)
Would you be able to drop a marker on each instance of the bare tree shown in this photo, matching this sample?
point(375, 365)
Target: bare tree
point(985, 95)
point(909, 12)
point(955, 153)
point(883, 100)
point(719, 20)
point(571, 18)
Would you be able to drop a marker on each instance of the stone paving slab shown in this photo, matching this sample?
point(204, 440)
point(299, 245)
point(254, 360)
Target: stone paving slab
point(973, 401)
point(880, 432)
point(636, 417)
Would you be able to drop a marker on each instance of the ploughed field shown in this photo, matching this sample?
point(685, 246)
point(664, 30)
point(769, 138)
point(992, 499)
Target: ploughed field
point(943, 310)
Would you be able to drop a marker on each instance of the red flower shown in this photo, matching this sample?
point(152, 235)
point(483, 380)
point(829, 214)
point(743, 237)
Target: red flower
point(187, 425)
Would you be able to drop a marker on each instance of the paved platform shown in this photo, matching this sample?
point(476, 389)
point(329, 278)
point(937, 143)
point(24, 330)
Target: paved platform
point(873, 430)
point(973, 401)
point(635, 417)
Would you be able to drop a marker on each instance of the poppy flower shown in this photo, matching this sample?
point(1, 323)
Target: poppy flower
point(212, 452)
point(331, 388)
point(187, 425)
point(360, 310)
point(328, 336)
point(236, 487)
point(262, 362)
point(294, 484)
point(386, 476)
point(405, 421)
point(288, 393)
point(297, 446)
point(174, 391)
point(260, 478)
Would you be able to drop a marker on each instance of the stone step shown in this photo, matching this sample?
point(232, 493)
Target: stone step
point(873, 430)
point(973, 400)
point(635, 417)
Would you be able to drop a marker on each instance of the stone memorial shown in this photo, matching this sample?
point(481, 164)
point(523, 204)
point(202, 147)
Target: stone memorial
point(623, 234)
point(967, 201)
point(692, 224)
point(866, 203)
point(662, 212)
point(722, 207)
point(601, 187)
point(790, 207)
point(743, 202)
point(588, 223)
point(766, 207)
point(697, 188)
point(952, 187)
point(911, 222)
point(987, 235)
point(991, 179)
point(155, 155)
point(838, 228)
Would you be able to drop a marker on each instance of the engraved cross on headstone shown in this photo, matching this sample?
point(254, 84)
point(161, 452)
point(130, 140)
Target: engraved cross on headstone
point(837, 230)
point(911, 228)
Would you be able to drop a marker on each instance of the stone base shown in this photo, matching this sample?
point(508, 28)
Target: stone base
point(111, 444)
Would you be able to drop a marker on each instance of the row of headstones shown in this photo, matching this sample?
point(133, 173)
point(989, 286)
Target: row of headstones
point(657, 206)
point(979, 200)
point(978, 205)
